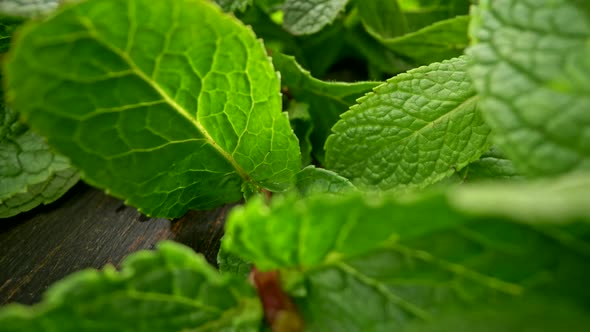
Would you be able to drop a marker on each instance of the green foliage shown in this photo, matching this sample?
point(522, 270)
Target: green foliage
point(413, 260)
point(442, 40)
point(326, 100)
point(304, 17)
point(312, 180)
point(170, 289)
point(533, 81)
point(492, 165)
point(413, 131)
point(231, 5)
point(165, 121)
point(417, 224)
point(30, 172)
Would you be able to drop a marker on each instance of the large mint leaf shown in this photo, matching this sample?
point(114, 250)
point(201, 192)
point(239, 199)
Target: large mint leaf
point(415, 130)
point(28, 8)
point(326, 100)
point(304, 17)
point(169, 104)
point(171, 289)
point(416, 260)
point(531, 68)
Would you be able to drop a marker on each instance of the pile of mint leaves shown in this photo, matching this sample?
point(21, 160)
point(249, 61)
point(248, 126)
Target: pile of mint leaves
point(409, 165)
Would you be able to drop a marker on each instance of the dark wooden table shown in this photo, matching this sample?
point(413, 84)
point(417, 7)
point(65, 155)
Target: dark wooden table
point(88, 229)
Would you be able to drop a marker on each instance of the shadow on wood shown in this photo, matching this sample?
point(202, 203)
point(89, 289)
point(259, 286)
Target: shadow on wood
point(88, 229)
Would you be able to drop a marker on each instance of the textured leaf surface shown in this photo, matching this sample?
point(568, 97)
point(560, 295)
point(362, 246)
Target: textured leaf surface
point(28, 8)
point(413, 131)
point(312, 180)
point(326, 100)
point(304, 17)
point(171, 289)
point(415, 260)
point(231, 5)
point(149, 112)
point(439, 41)
point(531, 68)
point(492, 165)
point(31, 174)
point(232, 264)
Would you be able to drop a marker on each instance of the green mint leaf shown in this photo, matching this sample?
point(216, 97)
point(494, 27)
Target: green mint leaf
point(414, 290)
point(326, 100)
point(317, 230)
point(417, 259)
point(232, 5)
point(304, 17)
point(146, 110)
point(439, 41)
point(533, 81)
point(420, 14)
point(532, 313)
point(413, 131)
point(312, 180)
point(171, 289)
point(31, 174)
point(492, 165)
point(383, 18)
point(28, 8)
point(230, 263)
point(554, 200)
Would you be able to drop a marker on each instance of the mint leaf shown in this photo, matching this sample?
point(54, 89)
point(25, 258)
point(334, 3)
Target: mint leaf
point(312, 180)
point(232, 264)
point(28, 8)
point(413, 131)
point(326, 100)
point(345, 226)
point(231, 5)
point(304, 17)
point(383, 18)
point(145, 110)
point(555, 200)
point(422, 13)
point(414, 260)
point(439, 41)
point(31, 174)
point(492, 165)
point(532, 77)
point(171, 289)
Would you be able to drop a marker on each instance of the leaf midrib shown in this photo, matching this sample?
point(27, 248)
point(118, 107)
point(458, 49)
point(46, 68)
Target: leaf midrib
point(93, 33)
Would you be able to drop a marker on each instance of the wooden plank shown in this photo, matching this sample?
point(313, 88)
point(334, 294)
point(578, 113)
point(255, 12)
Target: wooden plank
point(88, 229)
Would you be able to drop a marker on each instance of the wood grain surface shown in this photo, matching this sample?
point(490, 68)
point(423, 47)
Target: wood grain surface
point(88, 229)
